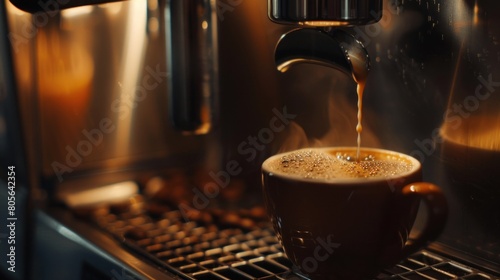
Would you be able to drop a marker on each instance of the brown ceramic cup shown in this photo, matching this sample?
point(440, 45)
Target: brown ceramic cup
point(350, 228)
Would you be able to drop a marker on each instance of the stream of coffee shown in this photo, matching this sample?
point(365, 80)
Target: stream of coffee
point(359, 128)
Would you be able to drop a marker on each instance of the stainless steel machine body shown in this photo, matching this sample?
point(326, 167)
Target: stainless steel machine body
point(85, 103)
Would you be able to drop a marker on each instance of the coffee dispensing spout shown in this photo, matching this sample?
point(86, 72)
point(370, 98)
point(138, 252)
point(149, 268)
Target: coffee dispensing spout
point(324, 44)
point(335, 48)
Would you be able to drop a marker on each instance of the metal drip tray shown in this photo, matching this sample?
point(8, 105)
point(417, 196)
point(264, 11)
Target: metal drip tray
point(427, 265)
point(216, 244)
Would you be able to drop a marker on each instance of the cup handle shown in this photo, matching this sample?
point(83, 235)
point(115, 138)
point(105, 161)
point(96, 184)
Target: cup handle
point(436, 217)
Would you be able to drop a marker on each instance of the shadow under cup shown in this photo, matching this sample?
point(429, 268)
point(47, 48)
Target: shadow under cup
point(350, 228)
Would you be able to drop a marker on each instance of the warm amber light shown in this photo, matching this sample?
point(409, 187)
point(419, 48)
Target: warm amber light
point(475, 19)
point(103, 194)
point(481, 132)
point(111, 9)
point(152, 5)
point(154, 25)
point(76, 12)
point(323, 23)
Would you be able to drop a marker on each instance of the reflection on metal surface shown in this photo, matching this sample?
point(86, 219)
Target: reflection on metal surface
point(325, 12)
point(65, 80)
point(69, 68)
point(323, 23)
point(75, 12)
point(102, 194)
point(192, 61)
point(481, 132)
point(112, 8)
point(475, 19)
point(129, 76)
point(472, 118)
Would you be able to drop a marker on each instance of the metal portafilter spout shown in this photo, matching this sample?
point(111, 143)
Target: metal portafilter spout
point(324, 45)
point(336, 48)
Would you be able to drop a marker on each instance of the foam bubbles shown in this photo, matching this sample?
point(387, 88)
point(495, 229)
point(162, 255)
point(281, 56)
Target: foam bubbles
point(320, 164)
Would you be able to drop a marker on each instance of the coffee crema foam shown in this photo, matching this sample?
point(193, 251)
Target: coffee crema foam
point(335, 164)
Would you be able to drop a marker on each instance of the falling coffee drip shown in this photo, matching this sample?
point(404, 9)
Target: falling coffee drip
point(360, 64)
point(359, 128)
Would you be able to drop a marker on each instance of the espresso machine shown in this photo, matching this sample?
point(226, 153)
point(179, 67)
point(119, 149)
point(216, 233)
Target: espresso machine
point(132, 133)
